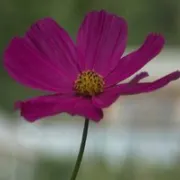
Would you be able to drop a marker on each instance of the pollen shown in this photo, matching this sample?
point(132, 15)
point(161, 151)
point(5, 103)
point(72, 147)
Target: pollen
point(89, 83)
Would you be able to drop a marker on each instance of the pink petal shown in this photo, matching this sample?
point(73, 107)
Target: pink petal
point(139, 77)
point(54, 43)
point(134, 61)
point(152, 86)
point(44, 106)
point(27, 66)
point(112, 94)
point(101, 41)
point(84, 107)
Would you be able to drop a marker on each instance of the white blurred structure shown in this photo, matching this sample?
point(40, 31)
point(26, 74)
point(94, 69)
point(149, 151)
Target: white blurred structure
point(148, 123)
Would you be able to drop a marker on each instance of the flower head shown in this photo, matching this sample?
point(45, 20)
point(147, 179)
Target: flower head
point(85, 77)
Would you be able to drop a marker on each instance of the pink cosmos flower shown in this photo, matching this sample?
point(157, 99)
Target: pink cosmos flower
point(84, 77)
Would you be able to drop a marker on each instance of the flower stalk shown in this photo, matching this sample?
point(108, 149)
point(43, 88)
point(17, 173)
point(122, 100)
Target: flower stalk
point(81, 150)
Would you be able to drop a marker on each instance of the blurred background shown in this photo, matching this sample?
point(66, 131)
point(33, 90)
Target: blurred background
point(139, 138)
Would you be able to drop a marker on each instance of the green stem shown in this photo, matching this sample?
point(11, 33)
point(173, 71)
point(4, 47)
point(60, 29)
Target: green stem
point(81, 150)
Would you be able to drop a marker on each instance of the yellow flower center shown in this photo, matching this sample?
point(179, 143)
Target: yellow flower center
point(89, 83)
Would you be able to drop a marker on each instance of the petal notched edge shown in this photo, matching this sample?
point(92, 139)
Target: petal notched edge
point(134, 61)
point(133, 87)
point(27, 67)
point(54, 43)
point(45, 106)
point(101, 41)
point(152, 86)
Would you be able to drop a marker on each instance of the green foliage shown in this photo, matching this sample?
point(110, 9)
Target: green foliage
point(52, 170)
point(143, 16)
point(130, 169)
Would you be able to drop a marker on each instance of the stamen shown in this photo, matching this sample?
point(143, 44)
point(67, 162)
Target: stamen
point(89, 83)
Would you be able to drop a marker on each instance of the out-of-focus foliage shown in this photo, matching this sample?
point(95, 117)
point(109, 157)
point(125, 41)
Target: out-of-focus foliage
point(53, 170)
point(143, 16)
